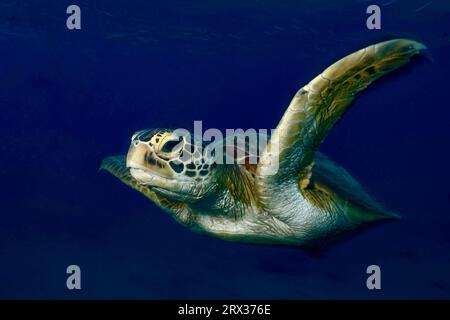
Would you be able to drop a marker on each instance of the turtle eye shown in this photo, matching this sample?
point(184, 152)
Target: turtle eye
point(171, 146)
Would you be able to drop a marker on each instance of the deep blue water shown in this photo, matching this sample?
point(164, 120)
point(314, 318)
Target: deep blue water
point(70, 98)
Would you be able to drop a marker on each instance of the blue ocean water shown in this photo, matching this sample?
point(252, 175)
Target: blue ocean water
point(70, 98)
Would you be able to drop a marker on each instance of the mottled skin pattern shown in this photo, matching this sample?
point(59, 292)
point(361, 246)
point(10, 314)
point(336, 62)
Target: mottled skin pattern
point(308, 198)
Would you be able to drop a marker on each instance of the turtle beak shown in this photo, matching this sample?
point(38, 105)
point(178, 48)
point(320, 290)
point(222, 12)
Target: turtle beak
point(136, 155)
point(136, 163)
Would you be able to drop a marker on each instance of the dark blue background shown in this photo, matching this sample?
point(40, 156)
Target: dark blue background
point(70, 98)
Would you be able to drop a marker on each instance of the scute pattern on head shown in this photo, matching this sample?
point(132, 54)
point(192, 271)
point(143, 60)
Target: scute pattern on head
point(162, 152)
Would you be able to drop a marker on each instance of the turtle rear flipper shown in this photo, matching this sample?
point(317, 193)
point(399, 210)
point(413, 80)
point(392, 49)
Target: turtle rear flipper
point(331, 187)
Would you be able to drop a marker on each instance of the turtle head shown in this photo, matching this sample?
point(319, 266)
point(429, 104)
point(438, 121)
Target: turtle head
point(170, 164)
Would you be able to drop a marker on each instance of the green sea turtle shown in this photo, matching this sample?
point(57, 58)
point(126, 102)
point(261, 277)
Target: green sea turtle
point(308, 198)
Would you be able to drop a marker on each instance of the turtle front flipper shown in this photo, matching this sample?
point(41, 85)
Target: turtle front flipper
point(116, 165)
point(316, 108)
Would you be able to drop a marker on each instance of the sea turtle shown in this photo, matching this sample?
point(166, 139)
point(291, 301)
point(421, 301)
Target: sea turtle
point(307, 199)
